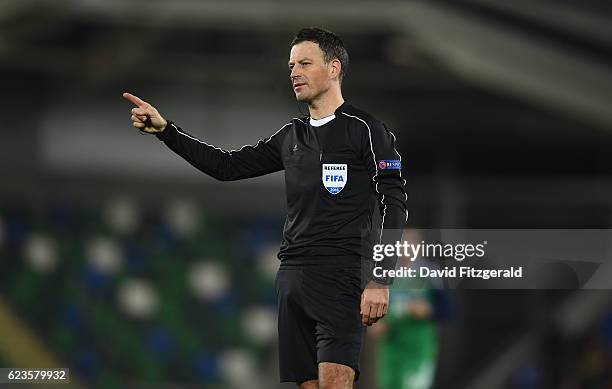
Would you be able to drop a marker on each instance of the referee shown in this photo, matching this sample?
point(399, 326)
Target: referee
point(340, 163)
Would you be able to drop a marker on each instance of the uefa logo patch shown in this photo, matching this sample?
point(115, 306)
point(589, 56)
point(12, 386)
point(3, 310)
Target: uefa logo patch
point(334, 177)
point(388, 164)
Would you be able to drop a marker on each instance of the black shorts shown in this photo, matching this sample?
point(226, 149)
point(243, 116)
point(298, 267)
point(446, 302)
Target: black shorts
point(318, 319)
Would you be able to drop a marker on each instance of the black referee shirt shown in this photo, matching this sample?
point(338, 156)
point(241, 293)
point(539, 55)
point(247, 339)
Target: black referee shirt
point(335, 174)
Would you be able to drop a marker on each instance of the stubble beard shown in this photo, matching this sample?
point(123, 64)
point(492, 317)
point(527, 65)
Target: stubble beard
point(308, 99)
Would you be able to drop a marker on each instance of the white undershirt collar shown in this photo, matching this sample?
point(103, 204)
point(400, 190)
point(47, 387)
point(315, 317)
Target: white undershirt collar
point(322, 121)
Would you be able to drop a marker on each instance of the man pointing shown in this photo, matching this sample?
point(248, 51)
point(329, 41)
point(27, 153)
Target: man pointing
point(339, 163)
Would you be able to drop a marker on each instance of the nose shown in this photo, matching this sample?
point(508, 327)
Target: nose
point(293, 75)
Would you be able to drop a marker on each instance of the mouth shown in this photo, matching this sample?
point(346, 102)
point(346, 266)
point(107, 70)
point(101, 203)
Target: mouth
point(298, 84)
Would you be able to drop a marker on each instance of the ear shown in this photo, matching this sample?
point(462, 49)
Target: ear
point(334, 68)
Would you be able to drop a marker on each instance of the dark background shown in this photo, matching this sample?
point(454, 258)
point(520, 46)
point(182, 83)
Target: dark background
point(503, 116)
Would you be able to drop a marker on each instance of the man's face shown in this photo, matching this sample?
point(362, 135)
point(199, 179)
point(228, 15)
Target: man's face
point(310, 75)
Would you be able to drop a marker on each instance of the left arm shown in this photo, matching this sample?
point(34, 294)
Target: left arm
point(385, 166)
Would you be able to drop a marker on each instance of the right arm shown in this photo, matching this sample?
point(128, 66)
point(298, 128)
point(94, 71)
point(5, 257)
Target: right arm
point(249, 161)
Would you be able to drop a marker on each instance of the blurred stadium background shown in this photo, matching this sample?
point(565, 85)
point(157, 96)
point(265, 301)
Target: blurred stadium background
point(123, 263)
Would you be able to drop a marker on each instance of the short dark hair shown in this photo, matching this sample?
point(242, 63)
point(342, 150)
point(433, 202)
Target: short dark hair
point(330, 44)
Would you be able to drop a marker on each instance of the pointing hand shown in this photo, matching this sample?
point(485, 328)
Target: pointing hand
point(145, 117)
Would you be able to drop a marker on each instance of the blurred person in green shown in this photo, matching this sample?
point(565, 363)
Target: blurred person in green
point(408, 343)
point(407, 347)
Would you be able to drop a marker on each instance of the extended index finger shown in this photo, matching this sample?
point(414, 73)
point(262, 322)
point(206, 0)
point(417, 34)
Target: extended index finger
point(134, 99)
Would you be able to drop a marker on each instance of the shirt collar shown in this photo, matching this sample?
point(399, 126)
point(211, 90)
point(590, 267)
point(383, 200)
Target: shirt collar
point(322, 121)
point(327, 119)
